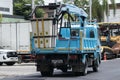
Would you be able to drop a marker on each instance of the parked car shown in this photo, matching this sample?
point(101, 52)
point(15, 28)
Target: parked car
point(9, 57)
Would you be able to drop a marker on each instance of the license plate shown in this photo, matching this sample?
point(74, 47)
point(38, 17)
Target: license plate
point(13, 59)
point(57, 61)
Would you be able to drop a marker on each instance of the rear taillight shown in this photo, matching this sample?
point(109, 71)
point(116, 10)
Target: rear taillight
point(40, 56)
point(73, 57)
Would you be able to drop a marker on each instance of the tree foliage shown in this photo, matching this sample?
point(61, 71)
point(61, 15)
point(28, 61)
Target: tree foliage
point(0, 17)
point(99, 7)
point(97, 10)
point(21, 9)
point(40, 12)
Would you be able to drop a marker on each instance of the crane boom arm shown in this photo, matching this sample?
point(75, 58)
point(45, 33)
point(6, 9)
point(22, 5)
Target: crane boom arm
point(74, 10)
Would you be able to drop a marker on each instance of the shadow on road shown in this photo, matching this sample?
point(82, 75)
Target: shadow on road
point(38, 76)
point(62, 74)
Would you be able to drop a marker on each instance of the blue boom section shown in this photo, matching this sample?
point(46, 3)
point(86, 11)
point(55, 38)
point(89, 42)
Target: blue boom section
point(74, 10)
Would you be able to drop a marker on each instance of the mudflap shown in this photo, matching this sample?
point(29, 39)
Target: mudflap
point(81, 69)
point(45, 69)
point(43, 65)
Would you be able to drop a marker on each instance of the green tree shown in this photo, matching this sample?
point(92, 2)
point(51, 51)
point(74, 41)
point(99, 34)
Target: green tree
point(66, 1)
point(99, 7)
point(0, 17)
point(81, 3)
point(39, 13)
point(39, 2)
point(97, 11)
point(21, 9)
point(105, 6)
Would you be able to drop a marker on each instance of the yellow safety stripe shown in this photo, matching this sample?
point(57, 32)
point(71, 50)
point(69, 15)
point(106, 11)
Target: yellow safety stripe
point(81, 46)
point(37, 29)
point(43, 33)
point(46, 48)
point(64, 49)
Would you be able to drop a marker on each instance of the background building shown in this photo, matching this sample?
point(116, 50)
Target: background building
point(6, 7)
point(112, 17)
point(6, 12)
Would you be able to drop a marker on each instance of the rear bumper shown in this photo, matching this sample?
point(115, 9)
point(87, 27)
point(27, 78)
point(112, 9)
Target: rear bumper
point(55, 50)
point(57, 61)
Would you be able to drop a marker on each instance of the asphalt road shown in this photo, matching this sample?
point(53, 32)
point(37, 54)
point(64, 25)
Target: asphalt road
point(109, 70)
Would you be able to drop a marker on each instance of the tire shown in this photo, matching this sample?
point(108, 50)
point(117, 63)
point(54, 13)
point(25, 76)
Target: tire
point(85, 69)
point(47, 73)
point(1, 63)
point(96, 65)
point(9, 63)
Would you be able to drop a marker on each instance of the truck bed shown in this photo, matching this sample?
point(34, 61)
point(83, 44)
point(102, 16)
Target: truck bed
point(87, 45)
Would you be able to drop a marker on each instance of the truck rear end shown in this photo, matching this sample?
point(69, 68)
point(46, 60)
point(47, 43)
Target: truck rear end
point(71, 45)
point(72, 48)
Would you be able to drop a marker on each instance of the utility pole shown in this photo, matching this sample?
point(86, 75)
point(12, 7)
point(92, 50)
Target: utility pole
point(108, 13)
point(90, 4)
point(55, 1)
point(33, 6)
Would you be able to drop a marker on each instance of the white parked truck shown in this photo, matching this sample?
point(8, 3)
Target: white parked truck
point(16, 36)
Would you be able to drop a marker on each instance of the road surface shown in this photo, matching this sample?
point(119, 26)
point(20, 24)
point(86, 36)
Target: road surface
point(109, 70)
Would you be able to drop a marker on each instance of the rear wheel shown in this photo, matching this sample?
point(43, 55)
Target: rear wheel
point(9, 63)
point(96, 65)
point(85, 69)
